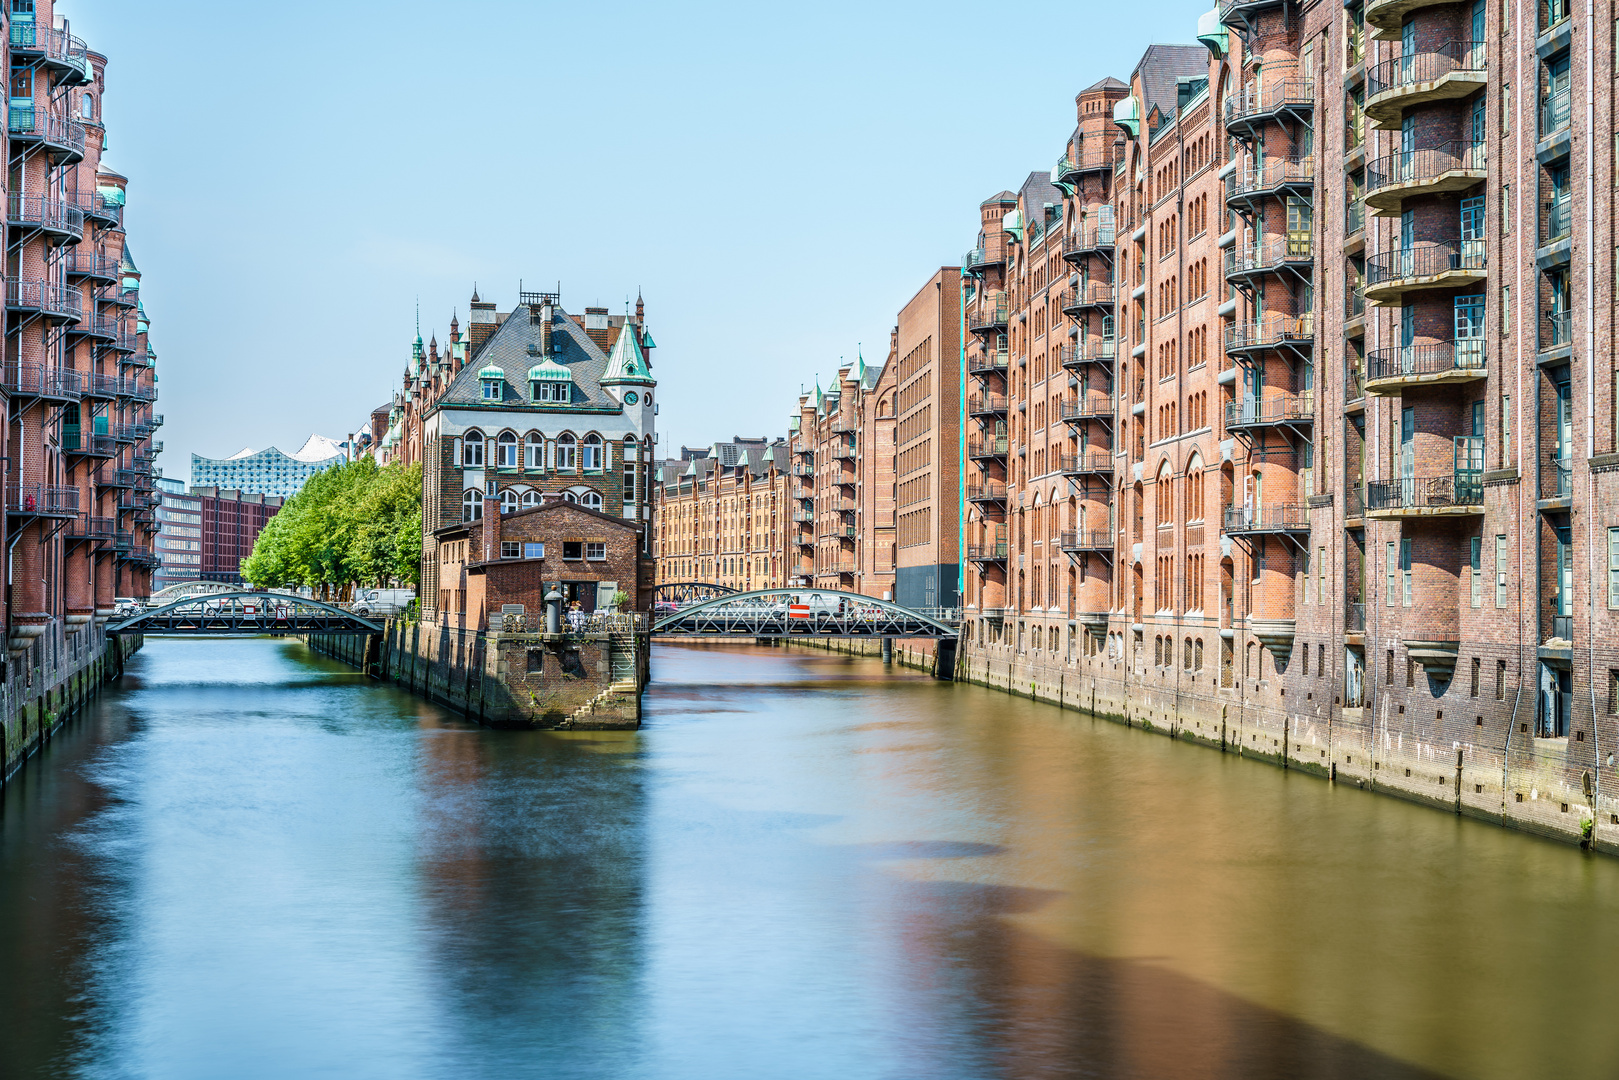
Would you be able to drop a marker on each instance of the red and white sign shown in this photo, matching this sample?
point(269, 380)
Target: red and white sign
point(798, 611)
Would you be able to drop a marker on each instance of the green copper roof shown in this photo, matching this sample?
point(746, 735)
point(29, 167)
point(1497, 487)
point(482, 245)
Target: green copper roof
point(646, 340)
point(491, 372)
point(549, 369)
point(627, 364)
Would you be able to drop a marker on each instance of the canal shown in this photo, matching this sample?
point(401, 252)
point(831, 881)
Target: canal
point(248, 861)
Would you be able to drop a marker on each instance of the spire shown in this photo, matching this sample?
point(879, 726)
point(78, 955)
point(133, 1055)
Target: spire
point(640, 309)
point(475, 292)
point(627, 364)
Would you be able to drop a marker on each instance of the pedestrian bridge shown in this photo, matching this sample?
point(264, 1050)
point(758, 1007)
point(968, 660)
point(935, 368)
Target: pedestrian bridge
point(224, 613)
point(797, 613)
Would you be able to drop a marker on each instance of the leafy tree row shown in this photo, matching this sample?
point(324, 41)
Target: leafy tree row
point(353, 524)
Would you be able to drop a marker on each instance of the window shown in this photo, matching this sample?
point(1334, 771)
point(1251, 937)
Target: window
point(567, 457)
point(533, 551)
point(1501, 571)
point(491, 389)
point(1475, 677)
point(534, 451)
point(1392, 562)
point(506, 451)
point(510, 549)
point(1476, 554)
point(1613, 568)
point(1405, 572)
point(573, 549)
point(531, 498)
point(472, 504)
point(591, 500)
point(508, 501)
point(87, 106)
point(472, 456)
point(592, 456)
point(1500, 680)
point(596, 551)
point(551, 391)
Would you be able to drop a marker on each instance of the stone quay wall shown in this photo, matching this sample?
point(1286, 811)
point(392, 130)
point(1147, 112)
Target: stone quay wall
point(591, 680)
point(49, 680)
point(1501, 774)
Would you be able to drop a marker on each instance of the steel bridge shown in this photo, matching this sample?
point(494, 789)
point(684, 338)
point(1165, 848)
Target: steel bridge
point(798, 613)
point(241, 613)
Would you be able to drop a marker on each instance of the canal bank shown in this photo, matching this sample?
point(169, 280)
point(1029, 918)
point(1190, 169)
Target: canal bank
point(49, 680)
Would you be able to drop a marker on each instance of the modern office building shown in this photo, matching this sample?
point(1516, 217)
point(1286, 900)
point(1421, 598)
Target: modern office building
point(269, 471)
point(205, 533)
point(179, 535)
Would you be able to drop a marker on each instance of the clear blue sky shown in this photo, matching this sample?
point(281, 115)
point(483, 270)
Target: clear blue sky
point(777, 180)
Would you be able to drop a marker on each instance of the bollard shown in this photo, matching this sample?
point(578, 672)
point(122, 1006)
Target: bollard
point(888, 650)
point(553, 612)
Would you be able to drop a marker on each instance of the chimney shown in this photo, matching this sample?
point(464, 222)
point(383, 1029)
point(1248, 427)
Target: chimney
point(491, 528)
point(481, 323)
point(545, 329)
point(599, 327)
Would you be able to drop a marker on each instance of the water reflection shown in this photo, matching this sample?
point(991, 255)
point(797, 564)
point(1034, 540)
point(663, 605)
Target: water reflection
point(252, 862)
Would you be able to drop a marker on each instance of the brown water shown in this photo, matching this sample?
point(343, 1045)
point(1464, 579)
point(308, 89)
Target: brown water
point(250, 862)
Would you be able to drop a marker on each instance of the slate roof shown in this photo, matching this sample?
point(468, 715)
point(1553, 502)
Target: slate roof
point(1108, 83)
point(998, 199)
point(1036, 192)
point(1160, 69)
point(508, 350)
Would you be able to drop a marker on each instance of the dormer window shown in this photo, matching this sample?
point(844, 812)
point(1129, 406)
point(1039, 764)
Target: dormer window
point(549, 383)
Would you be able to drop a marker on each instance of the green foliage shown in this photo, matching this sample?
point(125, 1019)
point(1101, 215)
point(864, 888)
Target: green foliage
point(355, 524)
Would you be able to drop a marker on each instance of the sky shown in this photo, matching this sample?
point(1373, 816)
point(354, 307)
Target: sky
point(776, 180)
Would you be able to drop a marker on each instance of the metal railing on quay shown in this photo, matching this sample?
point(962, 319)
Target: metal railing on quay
point(41, 380)
point(1273, 517)
point(44, 296)
point(1425, 492)
point(1271, 409)
point(1425, 260)
point(50, 500)
point(1421, 166)
point(1404, 71)
point(1465, 355)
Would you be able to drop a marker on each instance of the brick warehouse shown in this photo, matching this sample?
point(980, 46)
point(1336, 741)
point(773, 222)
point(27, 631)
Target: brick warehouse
point(720, 515)
point(1307, 445)
point(78, 376)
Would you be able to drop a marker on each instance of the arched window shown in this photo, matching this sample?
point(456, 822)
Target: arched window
point(531, 498)
point(591, 500)
point(508, 500)
point(88, 106)
point(472, 504)
point(534, 451)
point(567, 453)
point(1165, 495)
point(506, 451)
point(472, 454)
point(592, 456)
point(568, 496)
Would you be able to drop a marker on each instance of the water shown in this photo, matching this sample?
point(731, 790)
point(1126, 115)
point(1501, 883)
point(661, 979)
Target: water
point(251, 862)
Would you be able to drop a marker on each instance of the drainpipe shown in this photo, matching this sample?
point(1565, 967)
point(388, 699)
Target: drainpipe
point(1590, 403)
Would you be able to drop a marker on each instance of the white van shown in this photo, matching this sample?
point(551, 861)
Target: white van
point(382, 601)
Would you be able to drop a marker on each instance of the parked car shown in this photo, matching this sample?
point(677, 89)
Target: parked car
point(382, 601)
point(125, 606)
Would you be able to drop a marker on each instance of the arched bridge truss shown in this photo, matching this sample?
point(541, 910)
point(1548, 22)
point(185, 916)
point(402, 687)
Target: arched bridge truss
point(791, 613)
point(238, 613)
point(689, 592)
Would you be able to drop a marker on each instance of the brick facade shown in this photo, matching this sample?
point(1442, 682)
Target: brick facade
point(721, 515)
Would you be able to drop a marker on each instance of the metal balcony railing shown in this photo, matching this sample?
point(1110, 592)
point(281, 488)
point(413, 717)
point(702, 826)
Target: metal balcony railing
point(109, 477)
point(1425, 260)
point(1562, 474)
point(34, 124)
point(985, 362)
point(1271, 175)
point(92, 444)
point(1556, 329)
point(983, 448)
point(1090, 294)
point(1423, 67)
point(1425, 492)
point(1271, 409)
point(1297, 250)
point(1555, 110)
point(1442, 357)
point(988, 313)
point(1354, 618)
point(986, 404)
point(1089, 408)
point(45, 297)
point(1556, 219)
point(56, 46)
point(1277, 517)
point(1086, 540)
point(86, 527)
point(41, 380)
point(44, 500)
point(801, 469)
point(1092, 461)
point(995, 552)
point(1424, 166)
point(1259, 101)
point(988, 492)
point(1354, 217)
point(840, 453)
point(1354, 500)
point(98, 206)
point(1093, 237)
point(1090, 158)
point(91, 265)
point(989, 255)
point(1276, 330)
point(1355, 302)
point(44, 212)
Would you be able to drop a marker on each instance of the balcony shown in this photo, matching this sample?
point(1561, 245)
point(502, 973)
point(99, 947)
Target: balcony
point(124, 341)
point(41, 382)
point(1275, 178)
point(1354, 217)
point(1293, 254)
point(989, 314)
point(986, 493)
point(88, 444)
point(1099, 295)
point(101, 327)
point(126, 433)
point(1089, 159)
point(86, 527)
point(841, 425)
point(62, 140)
point(1274, 410)
point(1354, 618)
point(1425, 496)
point(97, 207)
point(987, 362)
point(56, 302)
point(981, 553)
point(1100, 351)
point(986, 405)
point(124, 298)
point(843, 453)
point(56, 49)
point(1554, 114)
point(101, 387)
point(1384, 17)
point(86, 264)
point(122, 540)
point(1247, 110)
point(803, 469)
point(108, 477)
point(1449, 167)
point(1090, 463)
point(1278, 331)
point(1389, 371)
point(1556, 329)
point(981, 258)
point(1089, 240)
point(1444, 265)
point(41, 213)
point(1454, 70)
point(1276, 518)
point(987, 448)
point(41, 500)
point(1087, 408)
point(1087, 540)
point(1556, 220)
